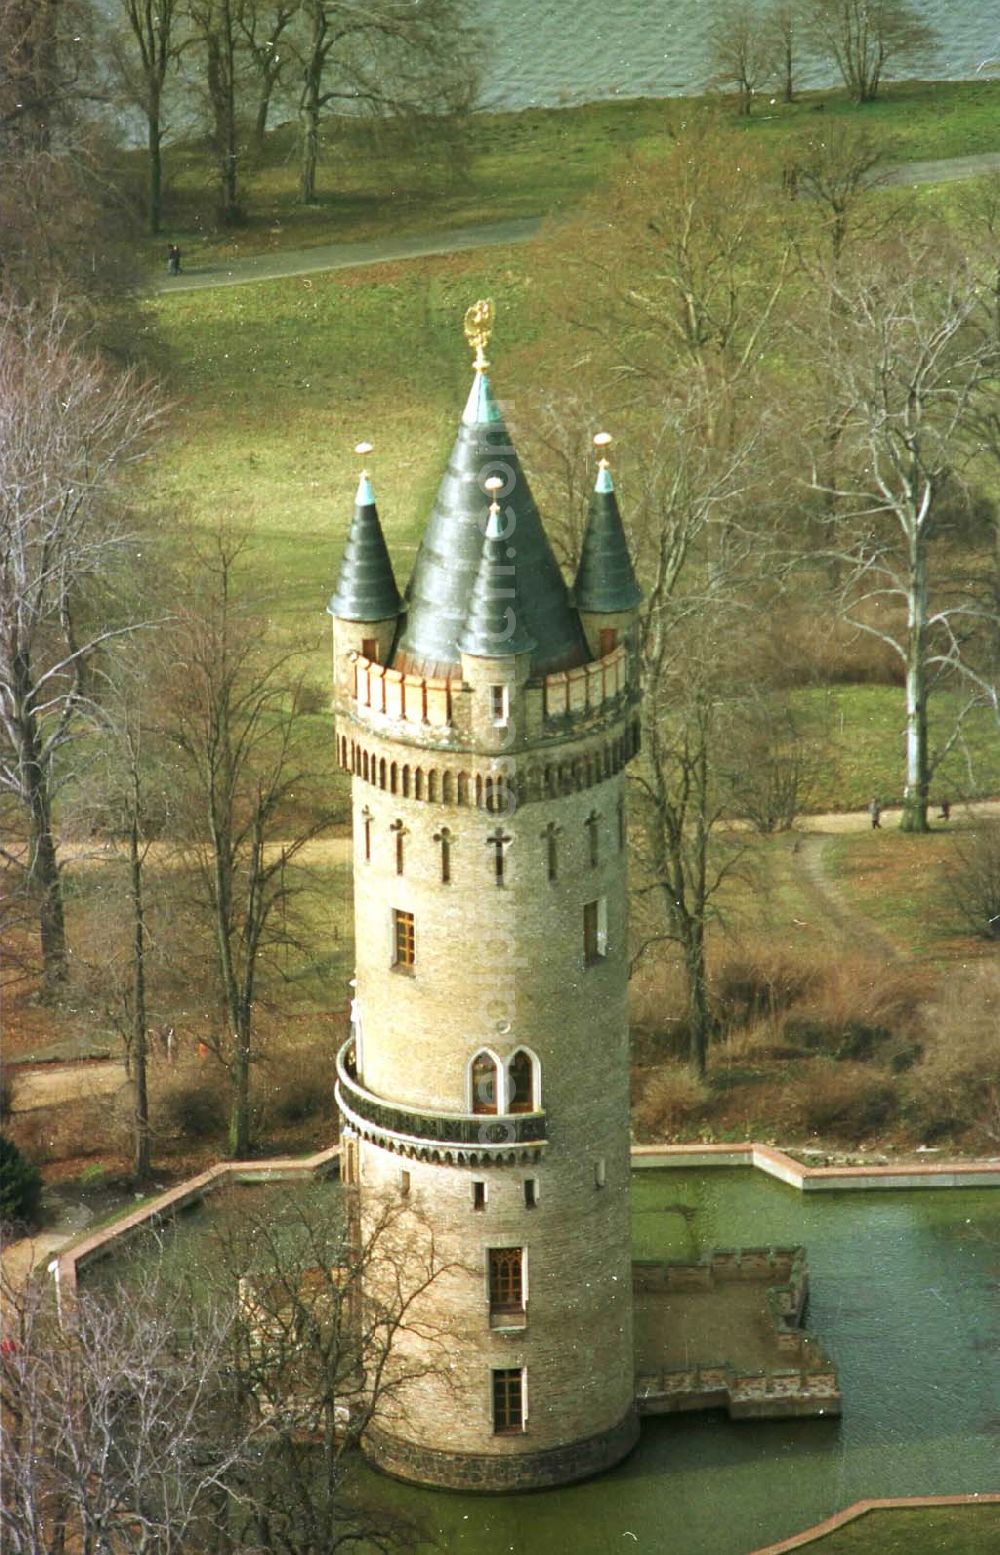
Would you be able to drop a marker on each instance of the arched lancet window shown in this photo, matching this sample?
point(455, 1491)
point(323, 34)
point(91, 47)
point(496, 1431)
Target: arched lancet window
point(364, 766)
point(479, 791)
point(463, 788)
point(521, 1083)
point(381, 773)
point(418, 783)
point(447, 788)
point(406, 782)
point(484, 1077)
point(432, 787)
point(393, 778)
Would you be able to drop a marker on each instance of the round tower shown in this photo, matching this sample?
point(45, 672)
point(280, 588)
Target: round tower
point(484, 1090)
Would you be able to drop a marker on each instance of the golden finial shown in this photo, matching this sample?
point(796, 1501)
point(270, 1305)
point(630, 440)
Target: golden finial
point(602, 442)
point(362, 450)
point(478, 329)
point(493, 487)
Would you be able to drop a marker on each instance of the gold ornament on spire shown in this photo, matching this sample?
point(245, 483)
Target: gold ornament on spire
point(602, 442)
point(361, 449)
point(478, 330)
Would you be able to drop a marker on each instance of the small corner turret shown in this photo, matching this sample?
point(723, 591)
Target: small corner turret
point(365, 604)
point(606, 592)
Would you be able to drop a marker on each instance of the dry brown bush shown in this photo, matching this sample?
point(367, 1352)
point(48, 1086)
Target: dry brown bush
point(68, 1132)
point(296, 1087)
point(794, 654)
point(669, 1098)
point(954, 1090)
point(657, 1003)
point(759, 980)
point(850, 1101)
point(190, 1102)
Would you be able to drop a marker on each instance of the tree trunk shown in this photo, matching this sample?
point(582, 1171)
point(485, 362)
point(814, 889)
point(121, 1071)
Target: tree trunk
point(789, 92)
point(43, 866)
point(915, 795)
point(239, 1115)
point(141, 1112)
point(310, 108)
point(155, 182)
point(699, 1014)
point(310, 146)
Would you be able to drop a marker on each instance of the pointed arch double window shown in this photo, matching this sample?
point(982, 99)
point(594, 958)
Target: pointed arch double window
point(504, 1085)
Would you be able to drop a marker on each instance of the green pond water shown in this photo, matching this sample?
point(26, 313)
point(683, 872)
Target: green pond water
point(904, 1296)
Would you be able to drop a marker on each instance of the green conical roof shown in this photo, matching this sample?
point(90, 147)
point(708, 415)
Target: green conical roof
point(605, 579)
point(494, 626)
point(448, 563)
point(366, 587)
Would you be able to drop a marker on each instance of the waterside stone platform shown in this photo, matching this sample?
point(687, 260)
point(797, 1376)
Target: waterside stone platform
point(743, 1308)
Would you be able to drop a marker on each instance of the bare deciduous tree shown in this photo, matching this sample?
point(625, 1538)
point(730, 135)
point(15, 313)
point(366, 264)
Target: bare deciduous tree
point(784, 24)
point(867, 38)
point(69, 428)
point(910, 358)
point(387, 57)
point(151, 27)
point(741, 52)
point(326, 1312)
point(248, 801)
point(265, 27)
point(118, 1431)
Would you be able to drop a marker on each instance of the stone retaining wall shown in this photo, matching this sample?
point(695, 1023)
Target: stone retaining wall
point(857, 1509)
point(818, 1179)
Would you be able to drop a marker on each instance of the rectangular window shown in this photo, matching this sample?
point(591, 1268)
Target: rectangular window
point(404, 1184)
point(608, 640)
point(404, 938)
point(595, 931)
point(479, 1195)
point(530, 1192)
point(369, 648)
point(499, 705)
point(506, 1268)
point(600, 1172)
point(508, 1400)
point(368, 839)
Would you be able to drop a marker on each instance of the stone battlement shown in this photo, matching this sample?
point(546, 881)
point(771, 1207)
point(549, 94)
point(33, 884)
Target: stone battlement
point(439, 711)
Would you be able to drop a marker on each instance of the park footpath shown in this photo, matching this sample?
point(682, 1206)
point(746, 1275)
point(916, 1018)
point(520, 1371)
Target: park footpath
point(282, 264)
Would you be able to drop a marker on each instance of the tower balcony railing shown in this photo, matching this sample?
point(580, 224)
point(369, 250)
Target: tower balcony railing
point(417, 1128)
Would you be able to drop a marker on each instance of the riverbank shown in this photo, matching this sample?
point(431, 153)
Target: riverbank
point(514, 166)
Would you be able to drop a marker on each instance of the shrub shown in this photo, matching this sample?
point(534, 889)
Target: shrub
point(954, 1089)
point(20, 1187)
point(669, 1099)
point(193, 1104)
point(850, 1100)
point(759, 983)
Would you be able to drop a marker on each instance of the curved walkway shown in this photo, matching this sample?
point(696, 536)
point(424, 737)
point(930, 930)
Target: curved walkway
point(380, 251)
point(348, 256)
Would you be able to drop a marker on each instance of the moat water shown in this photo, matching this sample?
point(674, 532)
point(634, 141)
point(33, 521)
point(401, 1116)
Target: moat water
point(904, 1296)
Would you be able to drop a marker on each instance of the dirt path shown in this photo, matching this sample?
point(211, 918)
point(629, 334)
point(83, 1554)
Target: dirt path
point(48, 1085)
point(854, 928)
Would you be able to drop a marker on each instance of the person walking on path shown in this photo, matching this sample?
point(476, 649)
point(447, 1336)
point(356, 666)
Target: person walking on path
point(173, 259)
point(875, 812)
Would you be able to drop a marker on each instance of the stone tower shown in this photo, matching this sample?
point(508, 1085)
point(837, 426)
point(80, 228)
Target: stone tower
point(487, 721)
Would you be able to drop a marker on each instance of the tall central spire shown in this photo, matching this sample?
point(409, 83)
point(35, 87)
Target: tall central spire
point(448, 563)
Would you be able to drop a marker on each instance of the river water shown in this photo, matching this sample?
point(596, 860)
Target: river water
point(548, 52)
point(903, 1296)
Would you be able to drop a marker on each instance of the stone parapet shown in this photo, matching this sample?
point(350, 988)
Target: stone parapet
point(437, 713)
point(450, 1138)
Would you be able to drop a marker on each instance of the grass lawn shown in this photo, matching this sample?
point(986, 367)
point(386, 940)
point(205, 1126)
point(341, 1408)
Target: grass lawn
point(535, 162)
point(899, 882)
point(865, 731)
point(951, 1530)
